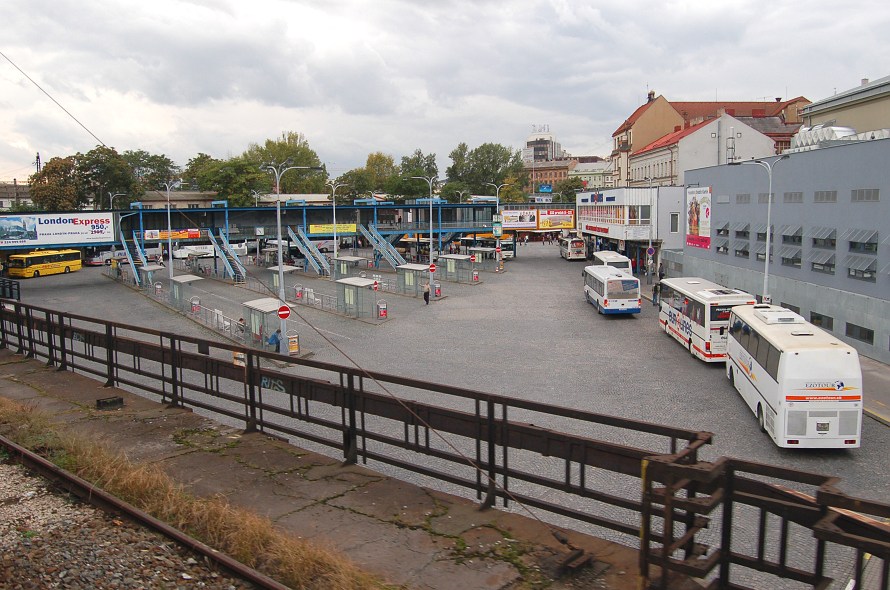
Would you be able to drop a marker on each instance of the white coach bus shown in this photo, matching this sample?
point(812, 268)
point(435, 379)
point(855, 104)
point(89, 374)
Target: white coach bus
point(803, 384)
point(611, 290)
point(695, 312)
point(613, 259)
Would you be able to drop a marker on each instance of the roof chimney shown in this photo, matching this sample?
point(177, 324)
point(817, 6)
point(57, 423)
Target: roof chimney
point(651, 96)
point(864, 81)
point(778, 99)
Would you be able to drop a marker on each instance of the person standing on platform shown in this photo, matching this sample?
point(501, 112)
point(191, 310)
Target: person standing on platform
point(426, 293)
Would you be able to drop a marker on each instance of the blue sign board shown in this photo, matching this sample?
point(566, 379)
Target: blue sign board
point(545, 188)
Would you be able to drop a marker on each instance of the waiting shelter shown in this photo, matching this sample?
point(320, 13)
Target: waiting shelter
point(146, 275)
point(285, 268)
point(411, 277)
point(349, 266)
point(182, 293)
point(261, 320)
point(485, 256)
point(455, 267)
point(356, 297)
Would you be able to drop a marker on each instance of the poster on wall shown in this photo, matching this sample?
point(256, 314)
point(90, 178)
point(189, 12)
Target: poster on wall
point(43, 230)
point(520, 218)
point(557, 219)
point(698, 217)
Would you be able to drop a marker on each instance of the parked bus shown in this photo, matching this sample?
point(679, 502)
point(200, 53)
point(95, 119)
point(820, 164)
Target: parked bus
point(803, 384)
point(613, 259)
point(572, 248)
point(696, 313)
point(611, 290)
point(95, 257)
point(44, 262)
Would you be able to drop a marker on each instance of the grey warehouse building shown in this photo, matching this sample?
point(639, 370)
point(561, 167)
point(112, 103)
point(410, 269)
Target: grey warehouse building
point(830, 241)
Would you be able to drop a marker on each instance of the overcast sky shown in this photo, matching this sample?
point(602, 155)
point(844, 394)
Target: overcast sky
point(180, 77)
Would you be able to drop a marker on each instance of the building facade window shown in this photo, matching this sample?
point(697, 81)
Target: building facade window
point(823, 321)
point(825, 197)
point(860, 333)
point(865, 195)
point(793, 308)
point(743, 199)
point(793, 197)
point(675, 223)
point(763, 198)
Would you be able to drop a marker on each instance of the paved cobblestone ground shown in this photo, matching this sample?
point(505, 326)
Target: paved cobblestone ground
point(527, 333)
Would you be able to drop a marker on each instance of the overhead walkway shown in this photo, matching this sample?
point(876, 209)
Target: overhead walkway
point(231, 263)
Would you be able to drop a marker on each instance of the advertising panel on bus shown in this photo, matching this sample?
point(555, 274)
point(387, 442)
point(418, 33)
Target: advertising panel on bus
point(52, 229)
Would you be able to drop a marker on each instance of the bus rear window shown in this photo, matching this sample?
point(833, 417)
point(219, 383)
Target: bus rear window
point(720, 313)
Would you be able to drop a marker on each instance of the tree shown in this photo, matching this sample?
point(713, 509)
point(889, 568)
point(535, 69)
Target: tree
point(54, 188)
point(380, 168)
point(234, 180)
point(568, 187)
point(293, 146)
point(196, 170)
point(151, 170)
point(490, 162)
point(417, 164)
point(102, 172)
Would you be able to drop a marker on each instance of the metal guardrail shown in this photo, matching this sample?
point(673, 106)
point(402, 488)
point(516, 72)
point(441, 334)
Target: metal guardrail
point(640, 479)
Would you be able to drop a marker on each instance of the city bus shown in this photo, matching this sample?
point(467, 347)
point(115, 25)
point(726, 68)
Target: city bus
point(695, 312)
point(44, 262)
point(613, 259)
point(803, 384)
point(611, 291)
point(572, 248)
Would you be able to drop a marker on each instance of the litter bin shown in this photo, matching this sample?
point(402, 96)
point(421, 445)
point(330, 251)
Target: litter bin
point(437, 289)
point(381, 310)
point(196, 304)
point(298, 292)
point(475, 276)
point(158, 288)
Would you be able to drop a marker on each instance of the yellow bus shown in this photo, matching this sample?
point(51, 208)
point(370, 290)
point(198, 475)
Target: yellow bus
point(44, 262)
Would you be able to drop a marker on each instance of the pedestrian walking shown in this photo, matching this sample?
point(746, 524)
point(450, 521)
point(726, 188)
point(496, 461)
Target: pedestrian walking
point(656, 291)
point(426, 293)
point(660, 270)
point(275, 340)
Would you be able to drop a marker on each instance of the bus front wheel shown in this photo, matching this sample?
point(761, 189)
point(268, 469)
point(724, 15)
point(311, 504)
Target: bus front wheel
point(67, 270)
point(760, 421)
point(36, 273)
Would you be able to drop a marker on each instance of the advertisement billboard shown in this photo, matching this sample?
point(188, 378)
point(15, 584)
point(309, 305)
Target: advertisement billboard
point(698, 217)
point(56, 229)
point(520, 218)
point(556, 219)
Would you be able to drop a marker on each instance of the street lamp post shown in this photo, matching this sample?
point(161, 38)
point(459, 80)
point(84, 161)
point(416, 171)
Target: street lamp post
point(430, 180)
point(278, 170)
point(111, 199)
point(768, 166)
point(170, 184)
point(334, 186)
point(497, 211)
point(256, 197)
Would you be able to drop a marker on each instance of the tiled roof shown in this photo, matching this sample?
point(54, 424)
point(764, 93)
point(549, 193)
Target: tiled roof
point(671, 138)
point(702, 110)
point(632, 119)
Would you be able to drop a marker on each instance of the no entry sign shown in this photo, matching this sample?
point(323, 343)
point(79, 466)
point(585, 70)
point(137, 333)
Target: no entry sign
point(284, 312)
point(432, 267)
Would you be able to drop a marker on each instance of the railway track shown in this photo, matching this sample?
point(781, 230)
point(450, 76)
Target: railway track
point(161, 565)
